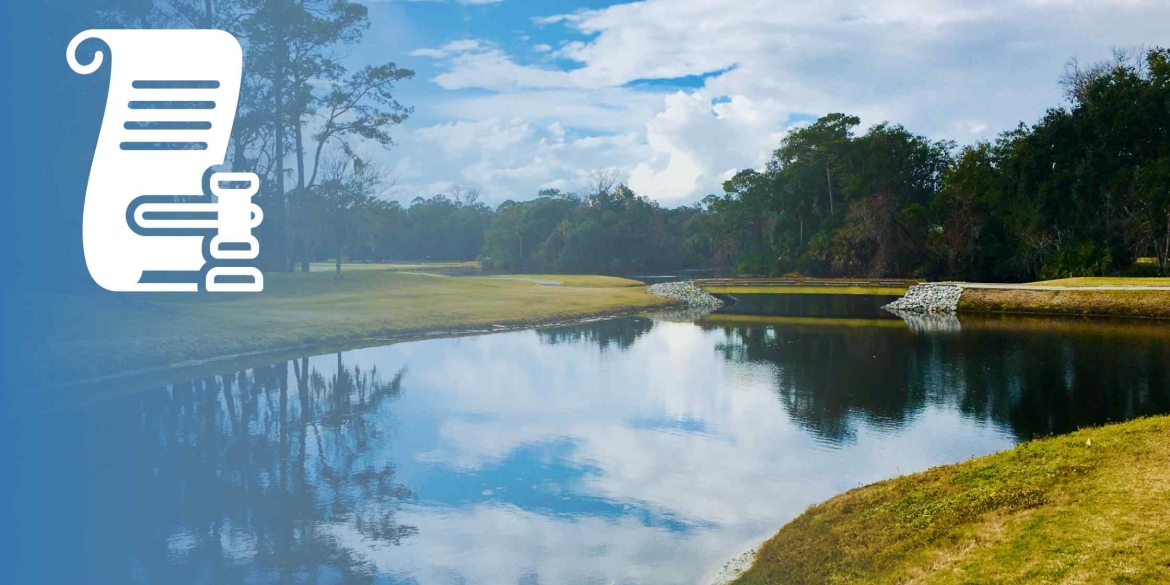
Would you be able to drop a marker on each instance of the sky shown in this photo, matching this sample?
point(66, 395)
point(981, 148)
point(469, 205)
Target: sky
point(676, 96)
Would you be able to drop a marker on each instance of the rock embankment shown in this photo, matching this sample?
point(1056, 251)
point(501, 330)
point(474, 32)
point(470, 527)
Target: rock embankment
point(685, 292)
point(928, 298)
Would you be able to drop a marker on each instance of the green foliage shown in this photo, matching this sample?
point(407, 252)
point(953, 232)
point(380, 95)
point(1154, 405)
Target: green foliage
point(611, 230)
point(1083, 192)
point(439, 228)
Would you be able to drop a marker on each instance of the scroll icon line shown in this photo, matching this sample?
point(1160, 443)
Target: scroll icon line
point(157, 215)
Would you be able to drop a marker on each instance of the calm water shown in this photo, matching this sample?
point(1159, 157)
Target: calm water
point(633, 450)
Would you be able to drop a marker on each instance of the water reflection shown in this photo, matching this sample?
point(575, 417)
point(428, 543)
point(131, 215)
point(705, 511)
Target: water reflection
point(811, 305)
point(618, 333)
point(830, 379)
point(1021, 374)
point(631, 450)
point(239, 478)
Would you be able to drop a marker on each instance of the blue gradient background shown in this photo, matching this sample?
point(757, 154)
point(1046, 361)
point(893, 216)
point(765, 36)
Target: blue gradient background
point(52, 117)
point(50, 123)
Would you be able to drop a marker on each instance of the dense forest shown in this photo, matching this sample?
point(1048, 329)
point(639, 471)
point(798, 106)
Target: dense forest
point(1083, 191)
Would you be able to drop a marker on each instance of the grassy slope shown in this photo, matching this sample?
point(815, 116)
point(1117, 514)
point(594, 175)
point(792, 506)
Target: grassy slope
point(1056, 510)
point(1106, 281)
point(1106, 303)
point(109, 333)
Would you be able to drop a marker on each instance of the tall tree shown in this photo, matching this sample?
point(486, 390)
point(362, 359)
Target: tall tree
point(348, 193)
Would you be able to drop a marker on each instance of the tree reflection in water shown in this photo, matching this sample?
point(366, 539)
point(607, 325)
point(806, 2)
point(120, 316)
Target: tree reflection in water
point(250, 479)
point(283, 473)
point(830, 378)
point(620, 333)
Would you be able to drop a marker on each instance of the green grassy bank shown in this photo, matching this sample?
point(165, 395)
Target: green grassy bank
point(1082, 300)
point(1089, 507)
point(79, 337)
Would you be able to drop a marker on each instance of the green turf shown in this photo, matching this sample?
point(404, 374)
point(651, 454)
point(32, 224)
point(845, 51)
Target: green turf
point(1090, 507)
point(1106, 281)
point(79, 337)
point(1078, 301)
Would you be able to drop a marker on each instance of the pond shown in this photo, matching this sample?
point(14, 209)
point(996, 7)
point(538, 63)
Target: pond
point(630, 450)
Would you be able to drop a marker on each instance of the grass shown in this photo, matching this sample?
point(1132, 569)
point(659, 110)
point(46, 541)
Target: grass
point(573, 280)
point(1085, 302)
point(1088, 302)
point(78, 337)
point(1089, 507)
point(415, 266)
point(1106, 281)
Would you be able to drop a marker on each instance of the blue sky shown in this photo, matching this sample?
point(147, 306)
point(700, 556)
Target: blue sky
point(676, 95)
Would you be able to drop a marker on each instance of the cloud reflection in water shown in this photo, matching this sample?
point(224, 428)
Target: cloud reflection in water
point(629, 450)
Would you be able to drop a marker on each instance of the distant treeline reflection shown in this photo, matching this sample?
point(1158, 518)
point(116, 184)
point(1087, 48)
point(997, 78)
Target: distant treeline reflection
point(1034, 377)
point(1029, 381)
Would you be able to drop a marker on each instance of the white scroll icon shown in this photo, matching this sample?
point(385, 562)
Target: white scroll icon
point(156, 217)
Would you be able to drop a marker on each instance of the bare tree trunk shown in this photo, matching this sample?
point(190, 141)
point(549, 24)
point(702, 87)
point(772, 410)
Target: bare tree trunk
point(278, 97)
point(337, 240)
point(829, 180)
point(239, 161)
point(299, 240)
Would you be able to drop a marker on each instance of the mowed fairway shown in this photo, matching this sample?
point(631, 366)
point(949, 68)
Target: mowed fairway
point(108, 334)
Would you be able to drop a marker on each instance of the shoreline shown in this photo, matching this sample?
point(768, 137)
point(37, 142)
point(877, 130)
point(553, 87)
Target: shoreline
point(1139, 303)
point(149, 376)
point(170, 369)
point(64, 341)
point(578, 300)
point(971, 518)
point(736, 567)
point(1103, 297)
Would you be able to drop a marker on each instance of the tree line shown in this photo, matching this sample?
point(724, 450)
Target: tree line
point(607, 229)
point(1083, 191)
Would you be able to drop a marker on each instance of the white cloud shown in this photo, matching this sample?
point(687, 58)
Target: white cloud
point(960, 70)
point(432, 53)
point(508, 158)
point(449, 49)
point(691, 150)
